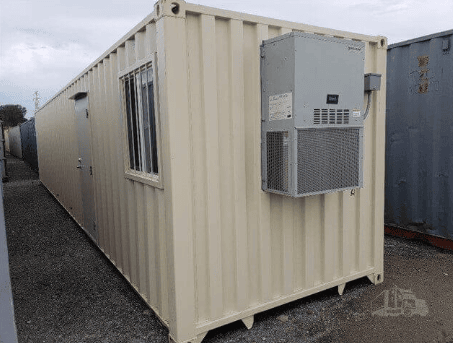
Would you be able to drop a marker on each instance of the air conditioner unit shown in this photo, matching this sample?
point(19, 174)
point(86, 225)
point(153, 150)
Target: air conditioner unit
point(312, 120)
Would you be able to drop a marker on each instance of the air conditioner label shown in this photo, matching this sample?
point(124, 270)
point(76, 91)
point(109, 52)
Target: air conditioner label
point(356, 113)
point(281, 106)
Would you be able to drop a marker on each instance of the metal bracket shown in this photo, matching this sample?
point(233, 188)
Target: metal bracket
point(86, 111)
point(248, 321)
point(376, 278)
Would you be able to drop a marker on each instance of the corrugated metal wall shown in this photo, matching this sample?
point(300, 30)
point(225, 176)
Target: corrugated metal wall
point(419, 141)
point(15, 146)
point(28, 141)
point(131, 216)
point(8, 331)
point(210, 247)
point(254, 249)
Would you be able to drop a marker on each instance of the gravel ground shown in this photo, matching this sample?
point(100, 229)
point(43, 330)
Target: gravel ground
point(65, 290)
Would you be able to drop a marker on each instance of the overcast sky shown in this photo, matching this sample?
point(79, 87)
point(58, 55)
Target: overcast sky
point(44, 44)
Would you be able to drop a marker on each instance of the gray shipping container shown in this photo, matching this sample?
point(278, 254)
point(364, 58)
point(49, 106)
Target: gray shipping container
point(7, 323)
point(419, 192)
point(28, 141)
point(3, 153)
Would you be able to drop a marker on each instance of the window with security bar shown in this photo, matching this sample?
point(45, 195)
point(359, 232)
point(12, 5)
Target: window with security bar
point(138, 102)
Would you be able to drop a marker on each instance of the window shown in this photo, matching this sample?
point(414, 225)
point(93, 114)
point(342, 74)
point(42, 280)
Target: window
point(138, 100)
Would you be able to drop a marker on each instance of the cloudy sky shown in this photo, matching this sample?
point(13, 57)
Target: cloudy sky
point(44, 44)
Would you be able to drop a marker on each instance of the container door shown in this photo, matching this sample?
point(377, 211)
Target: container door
point(84, 164)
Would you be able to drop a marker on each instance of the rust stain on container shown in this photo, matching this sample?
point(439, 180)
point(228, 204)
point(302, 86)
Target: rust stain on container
point(423, 61)
point(423, 86)
point(423, 81)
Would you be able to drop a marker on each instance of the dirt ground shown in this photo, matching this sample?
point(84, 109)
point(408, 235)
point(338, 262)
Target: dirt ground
point(65, 290)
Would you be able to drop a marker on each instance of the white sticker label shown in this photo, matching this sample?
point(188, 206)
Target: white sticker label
point(281, 106)
point(356, 113)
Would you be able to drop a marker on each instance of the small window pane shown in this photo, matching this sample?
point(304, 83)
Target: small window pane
point(135, 126)
point(129, 124)
point(146, 124)
point(152, 120)
point(141, 120)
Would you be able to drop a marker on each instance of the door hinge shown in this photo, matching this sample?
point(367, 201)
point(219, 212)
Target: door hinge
point(86, 112)
point(94, 225)
point(91, 170)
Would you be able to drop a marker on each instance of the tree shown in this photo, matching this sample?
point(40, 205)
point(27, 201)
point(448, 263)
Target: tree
point(12, 115)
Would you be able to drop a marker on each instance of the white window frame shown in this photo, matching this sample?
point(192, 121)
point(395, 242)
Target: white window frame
point(143, 176)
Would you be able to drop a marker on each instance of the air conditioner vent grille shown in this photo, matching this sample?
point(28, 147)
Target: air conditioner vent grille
point(330, 116)
point(328, 159)
point(278, 161)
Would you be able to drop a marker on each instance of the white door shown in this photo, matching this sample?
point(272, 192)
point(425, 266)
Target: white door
point(84, 164)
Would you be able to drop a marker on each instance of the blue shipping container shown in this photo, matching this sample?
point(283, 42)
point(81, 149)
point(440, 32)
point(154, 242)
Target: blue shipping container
point(419, 142)
point(28, 141)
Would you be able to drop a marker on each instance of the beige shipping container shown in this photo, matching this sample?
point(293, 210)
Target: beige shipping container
point(6, 137)
point(155, 150)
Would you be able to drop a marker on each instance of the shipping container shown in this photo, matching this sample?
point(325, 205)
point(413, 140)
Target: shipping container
point(3, 153)
point(418, 191)
point(6, 137)
point(155, 150)
point(28, 141)
point(15, 145)
point(7, 323)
